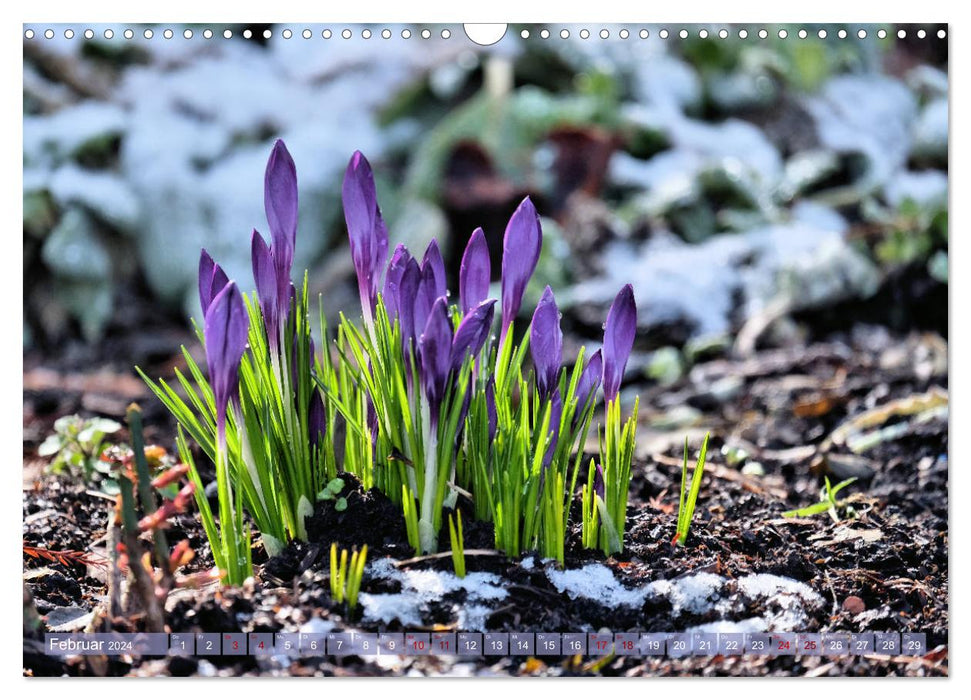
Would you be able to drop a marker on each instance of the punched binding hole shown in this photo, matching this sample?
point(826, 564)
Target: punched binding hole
point(486, 34)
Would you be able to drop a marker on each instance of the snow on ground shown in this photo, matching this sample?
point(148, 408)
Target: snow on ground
point(783, 603)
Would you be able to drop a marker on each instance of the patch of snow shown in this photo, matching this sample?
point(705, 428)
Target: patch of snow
point(695, 594)
point(671, 175)
point(473, 617)
point(752, 624)
point(927, 188)
point(596, 582)
point(421, 587)
point(931, 130)
point(50, 139)
point(104, 194)
point(316, 625)
point(764, 585)
point(697, 282)
point(388, 607)
point(668, 83)
point(868, 114)
point(786, 602)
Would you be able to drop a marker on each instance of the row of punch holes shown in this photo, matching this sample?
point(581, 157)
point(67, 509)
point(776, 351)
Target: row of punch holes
point(445, 33)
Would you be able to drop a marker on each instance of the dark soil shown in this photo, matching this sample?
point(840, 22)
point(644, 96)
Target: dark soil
point(882, 567)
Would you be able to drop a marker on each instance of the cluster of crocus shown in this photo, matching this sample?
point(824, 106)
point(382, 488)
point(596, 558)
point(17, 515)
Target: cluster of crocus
point(443, 394)
point(424, 402)
point(259, 414)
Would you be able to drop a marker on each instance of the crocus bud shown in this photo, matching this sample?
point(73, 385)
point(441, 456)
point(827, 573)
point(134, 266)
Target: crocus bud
point(436, 349)
point(366, 230)
point(472, 333)
point(407, 296)
point(433, 260)
point(225, 332)
point(212, 279)
point(267, 289)
point(475, 272)
point(520, 253)
point(619, 331)
point(392, 279)
point(425, 296)
point(280, 202)
point(546, 343)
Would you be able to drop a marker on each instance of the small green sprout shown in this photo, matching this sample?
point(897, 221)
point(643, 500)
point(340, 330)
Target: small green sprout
point(345, 580)
point(827, 503)
point(458, 544)
point(411, 517)
point(332, 491)
point(686, 507)
point(76, 445)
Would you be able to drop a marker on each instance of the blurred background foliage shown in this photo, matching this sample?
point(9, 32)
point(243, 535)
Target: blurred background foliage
point(725, 178)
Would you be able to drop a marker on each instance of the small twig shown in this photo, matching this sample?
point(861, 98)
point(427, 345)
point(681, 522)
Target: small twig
point(722, 472)
point(836, 606)
point(100, 494)
point(446, 555)
point(141, 578)
point(65, 557)
point(113, 538)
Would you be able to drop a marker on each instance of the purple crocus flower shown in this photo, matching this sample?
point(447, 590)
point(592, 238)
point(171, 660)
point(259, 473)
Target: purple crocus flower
point(225, 331)
point(425, 296)
point(436, 349)
point(472, 333)
point(392, 279)
point(212, 279)
point(366, 230)
point(589, 381)
point(433, 261)
point(475, 272)
point(317, 419)
point(520, 253)
point(406, 302)
point(280, 202)
point(546, 343)
point(619, 331)
point(267, 286)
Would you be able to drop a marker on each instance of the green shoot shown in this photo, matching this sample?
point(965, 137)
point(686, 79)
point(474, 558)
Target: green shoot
point(458, 544)
point(686, 506)
point(827, 503)
point(345, 576)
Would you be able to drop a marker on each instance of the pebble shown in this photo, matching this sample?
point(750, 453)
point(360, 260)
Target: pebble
point(753, 469)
